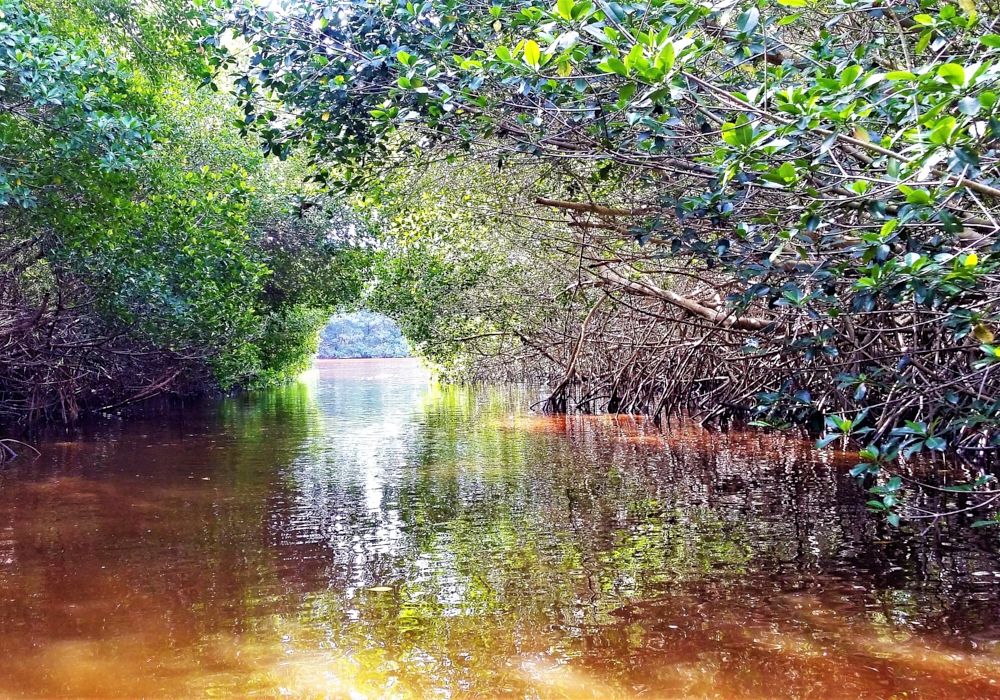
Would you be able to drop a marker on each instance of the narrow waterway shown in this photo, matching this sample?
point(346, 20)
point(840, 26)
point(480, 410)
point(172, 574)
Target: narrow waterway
point(369, 535)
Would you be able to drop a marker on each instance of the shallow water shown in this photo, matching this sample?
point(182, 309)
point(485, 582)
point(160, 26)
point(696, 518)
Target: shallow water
point(369, 535)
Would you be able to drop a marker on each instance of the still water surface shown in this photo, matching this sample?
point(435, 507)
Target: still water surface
point(370, 535)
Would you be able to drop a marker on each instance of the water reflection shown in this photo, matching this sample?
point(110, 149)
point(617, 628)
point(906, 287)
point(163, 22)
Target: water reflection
point(370, 535)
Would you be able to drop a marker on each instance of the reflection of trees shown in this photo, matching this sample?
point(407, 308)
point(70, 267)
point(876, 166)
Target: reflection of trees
point(611, 547)
point(397, 540)
point(131, 546)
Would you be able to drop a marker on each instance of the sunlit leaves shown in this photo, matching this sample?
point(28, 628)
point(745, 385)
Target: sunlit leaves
point(739, 133)
point(952, 73)
point(63, 102)
point(849, 75)
point(532, 54)
point(614, 65)
point(140, 189)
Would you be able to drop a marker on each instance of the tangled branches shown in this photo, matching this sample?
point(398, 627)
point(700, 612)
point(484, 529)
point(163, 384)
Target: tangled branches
point(787, 214)
point(57, 359)
point(912, 362)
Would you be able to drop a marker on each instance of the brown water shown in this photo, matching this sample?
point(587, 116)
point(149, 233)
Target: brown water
point(369, 535)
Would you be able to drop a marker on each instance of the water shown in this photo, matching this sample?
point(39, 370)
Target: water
point(370, 535)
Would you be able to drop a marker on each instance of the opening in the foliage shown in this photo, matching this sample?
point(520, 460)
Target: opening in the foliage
point(361, 334)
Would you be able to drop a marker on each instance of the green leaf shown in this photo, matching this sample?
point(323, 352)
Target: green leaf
point(850, 74)
point(634, 56)
point(900, 75)
point(582, 9)
point(613, 65)
point(665, 59)
point(870, 452)
point(990, 40)
point(924, 41)
point(921, 196)
point(792, 3)
point(943, 131)
point(952, 73)
point(936, 443)
point(531, 53)
point(565, 9)
point(625, 94)
point(503, 53)
point(744, 131)
point(985, 523)
point(738, 134)
point(748, 21)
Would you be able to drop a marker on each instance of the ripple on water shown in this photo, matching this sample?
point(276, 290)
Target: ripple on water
point(370, 534)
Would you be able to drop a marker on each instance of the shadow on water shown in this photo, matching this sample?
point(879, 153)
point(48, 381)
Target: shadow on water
point(371, 535)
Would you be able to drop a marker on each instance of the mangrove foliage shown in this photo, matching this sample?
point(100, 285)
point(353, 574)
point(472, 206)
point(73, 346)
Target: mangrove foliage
point(778, 211)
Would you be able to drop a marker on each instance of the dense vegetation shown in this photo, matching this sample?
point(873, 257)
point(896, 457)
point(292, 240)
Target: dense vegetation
point(783, 213)
point(361, 334)
point(780, 211)
point(146, 246)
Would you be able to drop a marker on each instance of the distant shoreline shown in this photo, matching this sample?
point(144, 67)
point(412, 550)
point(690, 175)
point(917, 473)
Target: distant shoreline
point(320, 360)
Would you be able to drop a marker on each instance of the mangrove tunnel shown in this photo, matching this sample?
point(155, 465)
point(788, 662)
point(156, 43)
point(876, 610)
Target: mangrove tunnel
point(500, 348)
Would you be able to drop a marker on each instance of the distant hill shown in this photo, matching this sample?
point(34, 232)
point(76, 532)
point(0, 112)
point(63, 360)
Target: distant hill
point(361, 334)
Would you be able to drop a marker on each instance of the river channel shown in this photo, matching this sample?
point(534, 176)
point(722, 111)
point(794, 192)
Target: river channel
point(368, 534)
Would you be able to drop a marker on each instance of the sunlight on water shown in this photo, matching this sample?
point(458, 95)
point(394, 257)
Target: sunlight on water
point(365, 534)
point(309, 377)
